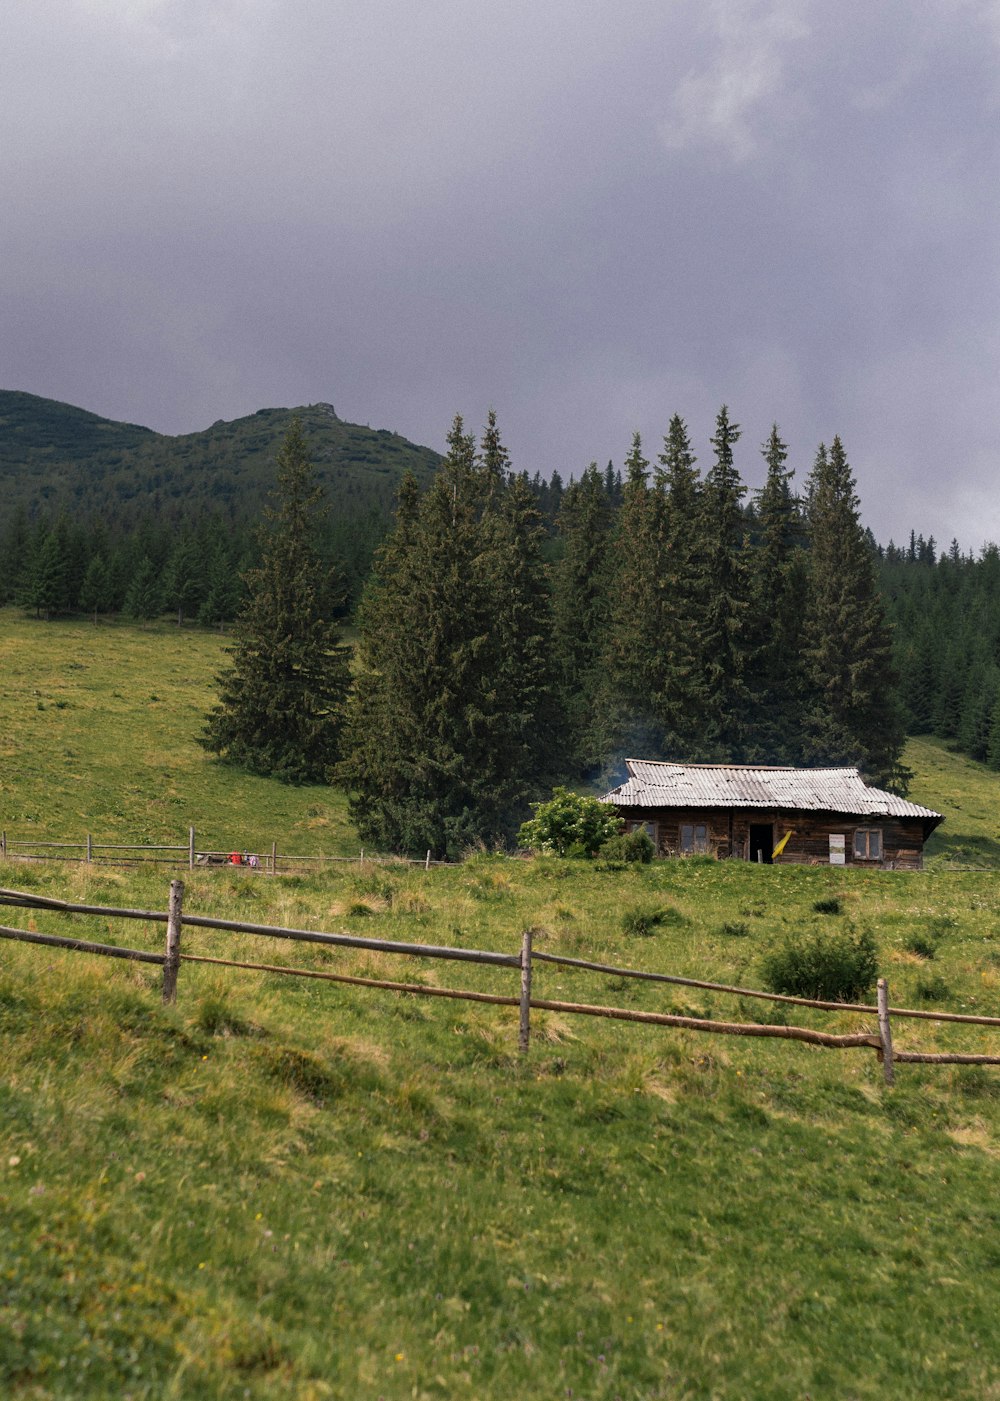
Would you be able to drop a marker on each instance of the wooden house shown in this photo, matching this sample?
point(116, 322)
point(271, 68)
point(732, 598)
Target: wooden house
point(752, 813)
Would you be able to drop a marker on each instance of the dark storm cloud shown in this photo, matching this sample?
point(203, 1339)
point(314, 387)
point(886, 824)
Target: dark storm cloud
point(588, 216)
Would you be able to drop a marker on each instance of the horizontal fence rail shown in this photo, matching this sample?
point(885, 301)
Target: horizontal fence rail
point(566, 961)
point(56, 941)
point(191, 855)
point(170, 960)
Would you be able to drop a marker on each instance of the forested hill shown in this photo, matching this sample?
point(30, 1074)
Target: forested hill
point(56, 457)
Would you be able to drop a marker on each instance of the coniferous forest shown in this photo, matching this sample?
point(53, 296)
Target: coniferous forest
point(514, 632)
point(664, 616)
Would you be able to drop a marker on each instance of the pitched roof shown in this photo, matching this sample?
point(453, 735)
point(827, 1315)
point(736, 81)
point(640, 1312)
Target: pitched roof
point(661, 785)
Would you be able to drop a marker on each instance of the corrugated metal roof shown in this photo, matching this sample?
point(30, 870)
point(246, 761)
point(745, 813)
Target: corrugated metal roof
point(661, 785)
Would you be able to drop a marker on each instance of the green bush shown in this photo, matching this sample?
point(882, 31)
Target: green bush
point(933, 989)
point(641, 923)
point(626, 847)
point(923, 945)
point(570, 825)
point(735, 929)
point(835, 966)
point(217, 1018)
point(829, 906)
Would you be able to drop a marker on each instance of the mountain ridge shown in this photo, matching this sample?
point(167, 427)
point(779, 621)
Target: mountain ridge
point(56, 456)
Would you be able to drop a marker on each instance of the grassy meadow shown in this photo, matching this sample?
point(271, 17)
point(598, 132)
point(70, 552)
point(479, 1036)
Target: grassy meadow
point(98, 733)
point(290, 1188)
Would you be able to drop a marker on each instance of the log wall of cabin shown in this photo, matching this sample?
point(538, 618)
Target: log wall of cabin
point(728, 834)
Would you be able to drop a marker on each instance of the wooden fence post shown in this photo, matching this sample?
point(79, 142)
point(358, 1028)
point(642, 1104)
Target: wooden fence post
point(885, 1034)
point(274, 858)
point(3, 845)
point(190, 848)
point(525, 1028)
point(173, 959)
point(90, 849)
point(427, 863)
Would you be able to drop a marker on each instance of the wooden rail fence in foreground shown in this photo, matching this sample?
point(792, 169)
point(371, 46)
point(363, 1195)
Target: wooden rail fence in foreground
point(880, 1039)
point(266, 861)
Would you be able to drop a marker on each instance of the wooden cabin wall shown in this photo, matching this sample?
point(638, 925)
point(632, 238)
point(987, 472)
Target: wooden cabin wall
point(728, 834)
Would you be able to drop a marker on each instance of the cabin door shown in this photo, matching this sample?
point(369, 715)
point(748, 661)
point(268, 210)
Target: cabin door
point(761, 842)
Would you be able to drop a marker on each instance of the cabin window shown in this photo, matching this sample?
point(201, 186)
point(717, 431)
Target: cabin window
point(868, 844)
point(694, 838)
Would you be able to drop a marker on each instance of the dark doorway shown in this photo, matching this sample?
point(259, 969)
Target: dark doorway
point(762, 841)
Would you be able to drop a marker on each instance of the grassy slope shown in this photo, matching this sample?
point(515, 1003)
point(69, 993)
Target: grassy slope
point(98, 730)
point(286, 1188)
point(967, 793)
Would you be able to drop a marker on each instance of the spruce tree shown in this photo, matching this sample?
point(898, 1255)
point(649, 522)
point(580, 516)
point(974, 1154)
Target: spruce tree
point(580, 606)
point(449, 728)
point(15, 557)
point(281, 701)
point(631, 667)
point(223, 585)
point(724, 598)
point(854, 715)
point(777, 596)
point(49, 585)
point(530, 739)
point(94, 591)
point(184, 581)
point(993, 741)
point(680, 701)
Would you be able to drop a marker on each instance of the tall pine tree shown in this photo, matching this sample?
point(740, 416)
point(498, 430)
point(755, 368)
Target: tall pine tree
point(680, 698)
point(632, 656)
point(281, 701)
point(580, 604)
point(724, 597)
point(778, 585)
point(450, 727)
point(854, 716)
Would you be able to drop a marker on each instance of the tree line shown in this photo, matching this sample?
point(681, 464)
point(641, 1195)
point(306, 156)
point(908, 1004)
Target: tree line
point(193, 570)
point(946, 614)
point(668, 618)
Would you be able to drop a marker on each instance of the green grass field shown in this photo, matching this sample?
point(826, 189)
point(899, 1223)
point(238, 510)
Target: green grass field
point(98, 733)
point(289, 1188)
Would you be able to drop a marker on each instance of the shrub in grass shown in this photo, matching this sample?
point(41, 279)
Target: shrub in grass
point(375, 885)
point(830, 966)
point(933, 989)
point(627, 847)
point(975, 1081)
point(217, 1018)
point(488, 885)
point(829, 906)
point(735, 929)
point(923, 945)
point(639, 924)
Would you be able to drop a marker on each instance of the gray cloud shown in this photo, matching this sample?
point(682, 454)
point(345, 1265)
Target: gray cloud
point(587, 216)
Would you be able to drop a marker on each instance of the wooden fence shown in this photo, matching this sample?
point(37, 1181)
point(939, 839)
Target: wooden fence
point(191, 855)
point(880, 1040)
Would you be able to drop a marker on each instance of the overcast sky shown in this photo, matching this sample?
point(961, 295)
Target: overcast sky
point(590, 215)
